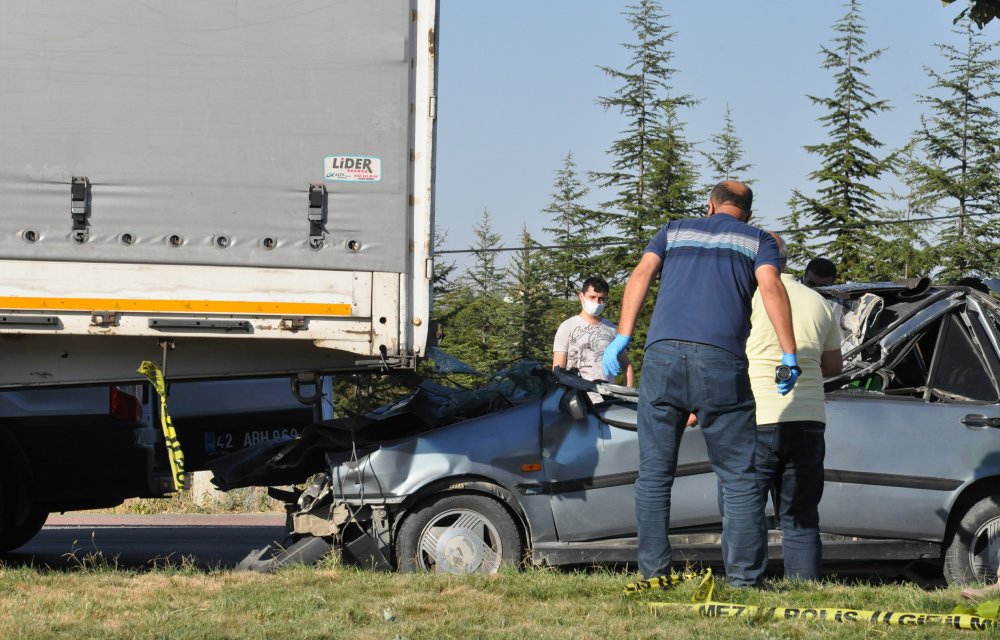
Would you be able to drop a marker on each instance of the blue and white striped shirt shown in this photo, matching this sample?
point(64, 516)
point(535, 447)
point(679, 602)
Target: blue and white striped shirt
point(708, 279)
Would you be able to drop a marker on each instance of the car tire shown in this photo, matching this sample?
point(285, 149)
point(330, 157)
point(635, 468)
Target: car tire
point(971, 550)
point(458, 533)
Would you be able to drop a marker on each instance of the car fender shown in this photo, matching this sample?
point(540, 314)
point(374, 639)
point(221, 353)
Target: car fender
point(466, 484)
point(968, 495)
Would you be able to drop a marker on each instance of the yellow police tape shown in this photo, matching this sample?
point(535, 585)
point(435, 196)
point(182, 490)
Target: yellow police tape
point(982, 617)
point(174, 453)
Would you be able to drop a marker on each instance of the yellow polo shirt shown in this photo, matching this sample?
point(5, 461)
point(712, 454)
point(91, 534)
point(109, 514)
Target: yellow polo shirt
point(816, 331)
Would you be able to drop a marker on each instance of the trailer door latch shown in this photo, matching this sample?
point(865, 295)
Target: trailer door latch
point(317, 215)
point(79, 208)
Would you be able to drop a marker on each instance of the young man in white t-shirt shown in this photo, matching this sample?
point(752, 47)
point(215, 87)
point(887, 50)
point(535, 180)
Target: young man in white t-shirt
point(580, 341)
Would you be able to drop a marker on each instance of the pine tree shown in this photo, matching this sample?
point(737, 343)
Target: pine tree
point(479, 316)
point(441, 277)
point(901, 250)
point(846, 200)
point(484, 275)
point(979, 11)
point(796, 239)
point(673, 177)
point(574, 227)
point(533, 324)
point(646, 100)
point(960, 140)
point(726, 160)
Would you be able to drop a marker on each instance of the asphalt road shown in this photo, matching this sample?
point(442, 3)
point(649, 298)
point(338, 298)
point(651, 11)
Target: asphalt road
point(136, 542)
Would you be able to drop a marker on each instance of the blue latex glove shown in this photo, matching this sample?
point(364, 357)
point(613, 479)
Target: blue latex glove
point(792, 362)
point(615, 347)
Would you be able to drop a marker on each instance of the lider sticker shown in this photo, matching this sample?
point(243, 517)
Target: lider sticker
point(352, 168)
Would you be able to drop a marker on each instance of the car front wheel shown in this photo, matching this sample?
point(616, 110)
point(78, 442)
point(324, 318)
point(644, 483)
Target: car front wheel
point(971, 552)
point(463, 533)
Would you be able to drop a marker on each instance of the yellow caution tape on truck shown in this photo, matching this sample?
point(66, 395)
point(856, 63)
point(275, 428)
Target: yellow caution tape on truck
point(174, 453)
point(961, 618)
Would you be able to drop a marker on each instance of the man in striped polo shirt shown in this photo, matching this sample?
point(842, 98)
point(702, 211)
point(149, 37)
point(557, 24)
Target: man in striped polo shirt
point(695, 362)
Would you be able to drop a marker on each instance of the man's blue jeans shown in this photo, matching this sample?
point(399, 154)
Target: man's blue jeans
point(678, 378)
point(790, 467)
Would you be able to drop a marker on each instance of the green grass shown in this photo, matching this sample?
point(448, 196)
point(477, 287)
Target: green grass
point(96, 599)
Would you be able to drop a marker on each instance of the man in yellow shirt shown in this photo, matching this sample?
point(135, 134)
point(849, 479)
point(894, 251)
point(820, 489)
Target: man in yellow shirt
point(790, 428)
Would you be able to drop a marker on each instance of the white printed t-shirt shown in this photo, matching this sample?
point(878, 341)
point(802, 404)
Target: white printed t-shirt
point(584, 344)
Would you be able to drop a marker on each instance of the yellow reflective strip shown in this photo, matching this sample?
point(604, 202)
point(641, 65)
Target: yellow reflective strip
point(177, 306)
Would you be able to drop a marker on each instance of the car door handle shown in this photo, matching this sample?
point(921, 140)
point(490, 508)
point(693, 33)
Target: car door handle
point(979, 421)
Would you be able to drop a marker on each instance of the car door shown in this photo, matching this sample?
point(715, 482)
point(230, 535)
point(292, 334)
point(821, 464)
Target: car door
point(591, 465)
point(897, 457)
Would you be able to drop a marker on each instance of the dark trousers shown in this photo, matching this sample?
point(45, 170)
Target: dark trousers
point(677, 378)
point(790, 468)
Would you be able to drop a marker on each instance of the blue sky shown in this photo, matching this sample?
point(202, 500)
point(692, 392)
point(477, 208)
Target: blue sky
point(518, 82)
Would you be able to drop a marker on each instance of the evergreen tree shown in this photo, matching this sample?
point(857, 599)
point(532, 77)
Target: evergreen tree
point(479, 317)
point(796, 239)
point(979, 11)
point(960, 140)
point(846, 201)
point(573, 227)
point(673, 178)
point(646, 99)
point(902, 251)
point(532, 327)
point(484, 275)
point(441, 277)
point(726, 159)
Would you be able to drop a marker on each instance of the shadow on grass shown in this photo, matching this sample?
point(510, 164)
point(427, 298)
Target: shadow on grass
point(140, 549)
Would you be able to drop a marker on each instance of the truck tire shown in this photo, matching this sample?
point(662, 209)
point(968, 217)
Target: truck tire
point(14, 534)
point(20, 517)
point(971, 551)
point(458, 533)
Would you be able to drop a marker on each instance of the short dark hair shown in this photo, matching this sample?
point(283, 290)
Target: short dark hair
point(597, 283)
point(822, 268)
point(734, 193)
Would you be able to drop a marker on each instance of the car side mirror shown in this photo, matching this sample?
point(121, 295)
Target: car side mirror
point(574, 404)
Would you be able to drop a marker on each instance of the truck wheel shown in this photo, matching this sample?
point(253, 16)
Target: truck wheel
point(13, 534)
point(20, 517)
point(458, 533)
point(971, 551)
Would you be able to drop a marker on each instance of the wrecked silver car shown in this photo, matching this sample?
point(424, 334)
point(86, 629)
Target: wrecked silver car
point(528, 467)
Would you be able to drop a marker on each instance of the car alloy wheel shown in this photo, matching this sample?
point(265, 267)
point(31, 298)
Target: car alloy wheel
point(462, 533)
point(984, 549)
point(971, 551)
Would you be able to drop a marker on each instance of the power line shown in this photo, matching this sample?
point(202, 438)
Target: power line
point(621, 243)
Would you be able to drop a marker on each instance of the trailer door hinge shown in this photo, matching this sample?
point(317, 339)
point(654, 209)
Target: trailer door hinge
point(317, 215)
point(432, 108)
point(79, 208)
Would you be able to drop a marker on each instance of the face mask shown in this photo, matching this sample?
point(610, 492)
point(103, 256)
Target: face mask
point(592, 308)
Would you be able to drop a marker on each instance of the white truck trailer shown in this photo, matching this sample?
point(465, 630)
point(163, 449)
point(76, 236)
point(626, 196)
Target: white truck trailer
point(251, 181)
point(232, 189)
